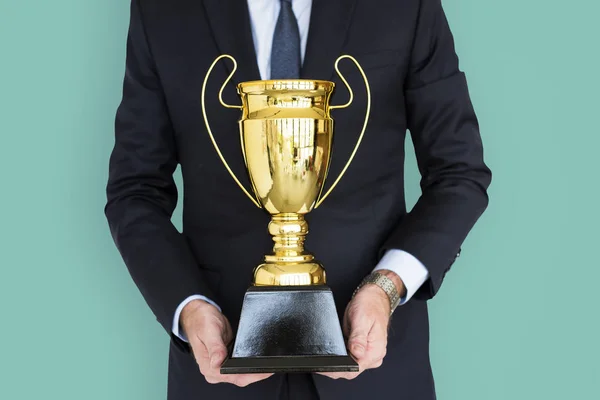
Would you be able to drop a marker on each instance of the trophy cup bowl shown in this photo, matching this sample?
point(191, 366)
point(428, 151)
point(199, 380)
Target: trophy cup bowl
point(288, 322)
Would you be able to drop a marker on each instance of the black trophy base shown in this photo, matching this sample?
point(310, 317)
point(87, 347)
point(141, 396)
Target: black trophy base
point(285, 329)
point(291, 364)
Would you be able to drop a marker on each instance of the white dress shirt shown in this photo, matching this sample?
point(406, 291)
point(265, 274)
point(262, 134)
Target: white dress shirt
point(263, 18)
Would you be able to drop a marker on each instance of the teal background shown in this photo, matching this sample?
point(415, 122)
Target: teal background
point(516, 319)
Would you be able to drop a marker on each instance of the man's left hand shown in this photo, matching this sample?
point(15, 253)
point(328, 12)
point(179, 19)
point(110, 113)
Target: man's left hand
point(365, 325)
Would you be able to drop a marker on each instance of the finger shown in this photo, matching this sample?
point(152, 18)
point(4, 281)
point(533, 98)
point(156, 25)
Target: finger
point(358, 338)
point(217, 357)
point(238, 380)
point(203, 360)
point(248, 379)
point(340, 375)
point(217, 351)
point(376, 346)
point(376, 352)
point(332, 375)
point(227, 333)
point(373, 359)
point(201, 354)
point(377, 364)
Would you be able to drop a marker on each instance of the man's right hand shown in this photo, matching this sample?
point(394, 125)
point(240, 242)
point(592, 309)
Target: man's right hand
point(209, 333)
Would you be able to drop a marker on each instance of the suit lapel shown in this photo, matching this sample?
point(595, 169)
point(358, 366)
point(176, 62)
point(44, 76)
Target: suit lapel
point(329, 21)
point(230, 23)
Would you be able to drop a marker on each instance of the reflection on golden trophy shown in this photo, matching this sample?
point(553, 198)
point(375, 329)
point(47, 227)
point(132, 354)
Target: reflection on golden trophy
point(288, 321)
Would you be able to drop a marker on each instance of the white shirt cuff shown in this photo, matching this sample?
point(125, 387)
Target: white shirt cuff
point(407, 267)
point(177, 331)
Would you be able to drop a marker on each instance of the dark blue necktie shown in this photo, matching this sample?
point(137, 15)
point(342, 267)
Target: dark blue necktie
point(285, 54)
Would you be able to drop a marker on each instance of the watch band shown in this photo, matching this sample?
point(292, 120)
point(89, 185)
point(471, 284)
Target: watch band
point(386, 284)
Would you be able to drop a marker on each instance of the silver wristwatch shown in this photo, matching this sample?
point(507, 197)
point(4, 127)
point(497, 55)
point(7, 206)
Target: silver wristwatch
point(386, 284)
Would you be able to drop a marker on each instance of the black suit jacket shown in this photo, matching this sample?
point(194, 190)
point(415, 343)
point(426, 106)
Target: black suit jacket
point(407, 51)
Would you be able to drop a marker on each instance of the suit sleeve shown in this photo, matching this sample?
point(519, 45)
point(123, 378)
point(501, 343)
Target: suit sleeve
point(141, 192)
point(445, 133)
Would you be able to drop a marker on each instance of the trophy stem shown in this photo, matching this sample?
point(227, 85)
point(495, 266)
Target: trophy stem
point(289, 231)
point(289, 265)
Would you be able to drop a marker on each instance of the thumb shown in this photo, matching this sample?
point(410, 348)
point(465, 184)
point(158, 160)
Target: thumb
point(216, 352)
point(357, 341)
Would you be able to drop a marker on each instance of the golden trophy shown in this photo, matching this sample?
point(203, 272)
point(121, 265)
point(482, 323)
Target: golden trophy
point(288, 321)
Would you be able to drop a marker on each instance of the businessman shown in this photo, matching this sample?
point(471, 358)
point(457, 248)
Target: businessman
point(194, 281)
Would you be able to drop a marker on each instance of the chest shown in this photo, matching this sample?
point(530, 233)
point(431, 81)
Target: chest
point(184, 44)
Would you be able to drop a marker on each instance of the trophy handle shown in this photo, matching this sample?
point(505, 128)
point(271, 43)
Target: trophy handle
point(364, 127)
point(212, 138)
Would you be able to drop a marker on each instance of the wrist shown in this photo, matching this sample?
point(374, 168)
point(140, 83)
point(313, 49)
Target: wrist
point(193, 308)
point(375, 293)
point(396, 279)
point(384, 282)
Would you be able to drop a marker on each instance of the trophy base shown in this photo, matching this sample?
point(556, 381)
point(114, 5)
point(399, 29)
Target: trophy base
point(289, 329)
point(291, 364)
